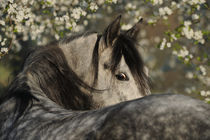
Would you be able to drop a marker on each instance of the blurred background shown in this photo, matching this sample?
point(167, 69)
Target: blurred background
point(167, 72)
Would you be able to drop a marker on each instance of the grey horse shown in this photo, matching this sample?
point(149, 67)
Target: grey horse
point(72, 90)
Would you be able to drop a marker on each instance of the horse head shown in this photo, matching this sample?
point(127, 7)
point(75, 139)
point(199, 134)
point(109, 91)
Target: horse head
point(109, 63)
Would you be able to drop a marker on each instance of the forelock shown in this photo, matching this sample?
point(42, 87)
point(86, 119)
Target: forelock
point(126, 46)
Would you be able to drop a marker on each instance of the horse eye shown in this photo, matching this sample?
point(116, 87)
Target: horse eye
point(122, 77)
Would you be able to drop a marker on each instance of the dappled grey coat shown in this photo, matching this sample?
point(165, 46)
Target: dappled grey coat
point(155, 117)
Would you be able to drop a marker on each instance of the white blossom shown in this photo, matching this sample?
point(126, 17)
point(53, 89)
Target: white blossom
point(173, 37)
point(93, 6)
point(189, 90)
point(165, 11)
point(162, 11)
point(114, 1)
point(194, 2)
point(173, 3)
point(168, 10)
point(100, 2)
point(207, 99)
point(2, 22)
point(25, 1)
point(130, 6)
point(182, 53)
point(151, 21)
point(85, 22)
point(187, 23)
point(198, 7)
point(195, 16)
point(191, 56)
point(4, 50)
point(187, 31)
point(77, 12)
point(3, 42)
point(126, 26)
point(11, 9)
point(203, 70)
point(28, 23)
point(57, 37)
point(198, 35)
point(163, 43)
point(11, 1)
point(168, 44)
point(157, 2)
point(189, 75)
point(205, 93)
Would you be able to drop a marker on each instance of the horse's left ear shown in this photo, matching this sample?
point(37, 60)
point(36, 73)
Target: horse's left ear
point(112, 31)
point(134, 31)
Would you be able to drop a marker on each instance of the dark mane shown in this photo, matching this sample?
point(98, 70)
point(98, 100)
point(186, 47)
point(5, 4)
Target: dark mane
point(49, 70)
point(57, 80)
point(95, 60)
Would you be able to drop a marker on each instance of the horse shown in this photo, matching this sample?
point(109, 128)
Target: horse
point(81, 72)
point(77, 89)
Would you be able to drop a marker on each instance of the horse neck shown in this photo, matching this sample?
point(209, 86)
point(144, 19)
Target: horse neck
point(54, 72)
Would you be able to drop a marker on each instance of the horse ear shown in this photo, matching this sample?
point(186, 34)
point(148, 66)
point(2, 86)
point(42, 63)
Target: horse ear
point(134, 31)
point(112, 31)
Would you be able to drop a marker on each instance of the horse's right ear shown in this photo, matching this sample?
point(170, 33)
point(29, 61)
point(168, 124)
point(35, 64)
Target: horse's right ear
point(134, 31)
point(112, 31)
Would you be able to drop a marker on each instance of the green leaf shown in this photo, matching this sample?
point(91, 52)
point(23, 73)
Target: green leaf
point(196, 42)
point(177, 35)
point(198, 58)
point(48, 2)
point(15, 30)
point(45, 11)
point(158, 46)
point(205, 55)
point(61, 34)
point(206, 5)
point(42, 2)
